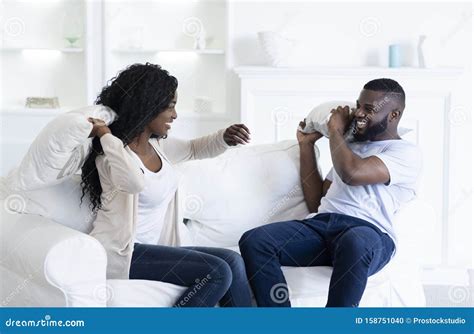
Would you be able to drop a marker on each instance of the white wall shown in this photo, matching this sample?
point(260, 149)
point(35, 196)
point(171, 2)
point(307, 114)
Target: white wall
point(350, 34)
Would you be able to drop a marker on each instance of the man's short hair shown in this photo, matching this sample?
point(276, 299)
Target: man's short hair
point(388, 86)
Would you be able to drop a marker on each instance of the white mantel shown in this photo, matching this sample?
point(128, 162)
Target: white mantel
point(274, 100)
point(255, 71)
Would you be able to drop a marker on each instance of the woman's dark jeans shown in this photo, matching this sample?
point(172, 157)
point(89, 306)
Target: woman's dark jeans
point(212, 275)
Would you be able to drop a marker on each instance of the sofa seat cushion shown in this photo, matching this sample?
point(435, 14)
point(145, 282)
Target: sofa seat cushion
point(140, 293)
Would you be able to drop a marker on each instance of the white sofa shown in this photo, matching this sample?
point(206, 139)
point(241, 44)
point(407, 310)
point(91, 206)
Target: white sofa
point(50, 260)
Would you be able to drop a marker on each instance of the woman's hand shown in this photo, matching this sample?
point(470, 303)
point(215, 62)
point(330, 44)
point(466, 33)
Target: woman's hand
point(99, 128)
point(237, 134)
point(307, 138)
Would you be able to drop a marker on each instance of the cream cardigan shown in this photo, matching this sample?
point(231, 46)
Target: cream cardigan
point(122, 180)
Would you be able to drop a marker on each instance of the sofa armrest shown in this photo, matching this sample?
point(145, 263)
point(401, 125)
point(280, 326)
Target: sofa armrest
point(52, 257)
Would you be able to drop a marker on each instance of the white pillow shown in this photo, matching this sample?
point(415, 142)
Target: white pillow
point(58, 151)
point(318, 117)
point(241, 189)
point(59, 202)
point(62, 204)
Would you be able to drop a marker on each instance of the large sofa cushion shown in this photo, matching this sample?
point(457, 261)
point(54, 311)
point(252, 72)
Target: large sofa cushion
point(141, 293)
point(62, 204)
point(241, 189)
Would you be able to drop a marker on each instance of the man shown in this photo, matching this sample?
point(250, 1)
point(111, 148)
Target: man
point(351, 229)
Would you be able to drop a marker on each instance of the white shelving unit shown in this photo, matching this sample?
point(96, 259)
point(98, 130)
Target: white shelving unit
point(34, 112)
point(37, 62)
point(105, 52)
point(167, 38)
point(196, 51)
point(36, 58)
point(20, 49)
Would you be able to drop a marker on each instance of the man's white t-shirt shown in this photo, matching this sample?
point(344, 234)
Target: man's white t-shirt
point(377, 203)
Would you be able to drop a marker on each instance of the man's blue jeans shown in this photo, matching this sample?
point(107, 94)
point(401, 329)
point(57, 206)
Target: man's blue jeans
point(356, 249)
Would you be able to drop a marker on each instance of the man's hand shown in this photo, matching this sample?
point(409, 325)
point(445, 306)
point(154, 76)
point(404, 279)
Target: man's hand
point(237, 134)
point(307, 138)
point(99, 128)
point(340, 119)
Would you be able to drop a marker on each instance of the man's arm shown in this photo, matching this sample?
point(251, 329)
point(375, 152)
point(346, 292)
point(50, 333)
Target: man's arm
point(352, 169)
point(311, 181)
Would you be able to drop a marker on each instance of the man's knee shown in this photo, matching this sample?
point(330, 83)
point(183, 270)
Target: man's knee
point(357, 243)
point(252, 240)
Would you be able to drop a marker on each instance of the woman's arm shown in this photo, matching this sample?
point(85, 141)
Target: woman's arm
point(120, 166)
point(178, 150)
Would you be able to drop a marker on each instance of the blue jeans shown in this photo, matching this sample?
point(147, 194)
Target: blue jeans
point(356, 249)
point(212, 275)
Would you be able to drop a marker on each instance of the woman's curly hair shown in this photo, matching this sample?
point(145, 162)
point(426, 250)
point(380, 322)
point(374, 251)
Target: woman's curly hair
point(137, 94)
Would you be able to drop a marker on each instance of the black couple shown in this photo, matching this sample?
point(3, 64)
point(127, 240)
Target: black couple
point(131, 183)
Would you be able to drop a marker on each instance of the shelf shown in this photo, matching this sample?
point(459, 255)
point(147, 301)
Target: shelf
point(189, 115)
point(203, 52)
point(64, 50)
point(251, 71)
point(23, 111)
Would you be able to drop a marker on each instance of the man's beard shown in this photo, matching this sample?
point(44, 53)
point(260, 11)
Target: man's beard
point(372, 132)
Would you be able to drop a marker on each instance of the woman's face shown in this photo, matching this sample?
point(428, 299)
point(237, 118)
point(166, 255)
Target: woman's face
point(161, 124)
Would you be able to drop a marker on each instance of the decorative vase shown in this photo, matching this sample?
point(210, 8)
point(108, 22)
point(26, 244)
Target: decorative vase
point(200, 40)
point(394, 59)
point(428, 51)
point(276, 47)
point(72, 27)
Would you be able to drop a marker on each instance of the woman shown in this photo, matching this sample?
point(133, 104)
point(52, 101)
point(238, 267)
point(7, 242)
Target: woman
point(132, 186)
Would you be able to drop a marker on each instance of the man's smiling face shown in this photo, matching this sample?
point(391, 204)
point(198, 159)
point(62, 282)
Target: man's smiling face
point(371, 116)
